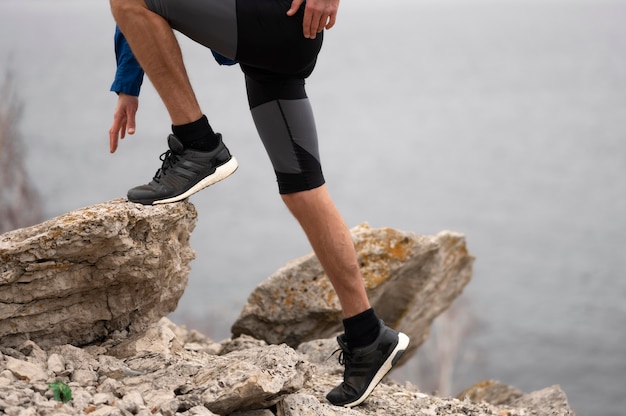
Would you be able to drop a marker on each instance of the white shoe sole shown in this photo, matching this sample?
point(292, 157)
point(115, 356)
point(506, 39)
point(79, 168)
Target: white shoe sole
point(403, 342)
point(221, 172)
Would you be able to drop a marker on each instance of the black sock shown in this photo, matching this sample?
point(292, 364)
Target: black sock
point(361, 329)
point(197, 135)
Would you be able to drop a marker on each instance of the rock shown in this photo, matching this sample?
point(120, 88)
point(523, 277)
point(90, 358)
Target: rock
point(107, 411)
point(77, 278)
point(321, 353)
point(410, 280)
point(103, 398)
point(6, 374)
point(252, 378)
point(24, 370)
point(56, 364)
point(203, 411)
point(132, 402)
point(81, 399)
point(307, 405)
point(491, 391)
point(106, 275)
point(157, 339)
point(249, 380)
point(33, 352)
point(84, 377)
point(78, 363)
point(550, 401)
point(260, 412)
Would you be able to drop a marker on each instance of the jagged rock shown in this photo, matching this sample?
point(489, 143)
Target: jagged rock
point(79, 277)
point(110, 271)
point(321, 352)
point(249, 380)
point(25, 370)
point(410, 280)
point(491, 391)
point(157, 339)
point(307, 405)
point(550, 401)
point(56, 364)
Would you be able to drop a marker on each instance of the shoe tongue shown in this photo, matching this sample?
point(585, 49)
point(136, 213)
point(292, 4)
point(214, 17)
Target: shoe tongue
point(343, 342)
point(175, 144)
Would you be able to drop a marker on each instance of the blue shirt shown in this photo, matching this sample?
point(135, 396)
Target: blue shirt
point(129, 74)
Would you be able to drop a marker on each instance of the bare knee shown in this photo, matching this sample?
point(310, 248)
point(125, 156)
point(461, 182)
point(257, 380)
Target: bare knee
point(295, 197)
point(297, 200)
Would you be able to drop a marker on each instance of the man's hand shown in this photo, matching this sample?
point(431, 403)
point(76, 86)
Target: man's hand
point(123, 119)
point(318, 15)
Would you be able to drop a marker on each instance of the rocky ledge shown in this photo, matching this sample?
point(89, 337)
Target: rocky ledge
point(169, 370)
point(83, 299)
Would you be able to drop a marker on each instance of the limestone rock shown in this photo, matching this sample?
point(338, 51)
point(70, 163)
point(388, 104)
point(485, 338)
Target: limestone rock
point(491, 391)
point(109, 272)
point(550, 401)
point(157, 339)
point(307, 405)
point(251, 379)
point(410, 279)
point(26, 371)
point(56, 364)
point(79, 277)
point(259, 412)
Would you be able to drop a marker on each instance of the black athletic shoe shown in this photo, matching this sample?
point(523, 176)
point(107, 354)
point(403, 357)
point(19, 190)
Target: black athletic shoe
point(184, 172)
point(365, 367)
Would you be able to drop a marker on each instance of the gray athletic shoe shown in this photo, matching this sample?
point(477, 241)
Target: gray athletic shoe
point(365, 367)
point(184, 172)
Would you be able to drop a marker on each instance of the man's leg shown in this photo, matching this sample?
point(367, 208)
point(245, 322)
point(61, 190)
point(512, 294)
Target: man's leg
point(332, 243)
point(285, 122)
point(154, 45)
point(366, 363)
point(197, 157)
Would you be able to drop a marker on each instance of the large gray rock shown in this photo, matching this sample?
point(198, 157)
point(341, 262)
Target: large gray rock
point(79, 277)
point(410, 279)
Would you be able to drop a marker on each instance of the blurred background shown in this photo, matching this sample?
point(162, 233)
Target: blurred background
point(503, 120)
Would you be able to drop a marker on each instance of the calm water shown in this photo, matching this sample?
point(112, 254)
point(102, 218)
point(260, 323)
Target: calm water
point(502, 120)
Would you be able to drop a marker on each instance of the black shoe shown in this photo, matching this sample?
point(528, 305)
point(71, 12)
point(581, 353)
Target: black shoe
point(365, 367)
point(184, 172)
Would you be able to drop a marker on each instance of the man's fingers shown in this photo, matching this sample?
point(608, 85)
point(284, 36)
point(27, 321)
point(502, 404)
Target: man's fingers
point(307, 25)
point(116, 132)
point(112, 141)
point(129, 126)
point(313, 23)
point(331, 21)
point(317, 17)
point(123, 119)
point(295, 5)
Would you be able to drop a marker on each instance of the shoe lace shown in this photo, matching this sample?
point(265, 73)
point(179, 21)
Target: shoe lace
point(169, 159)
point(344, 356)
